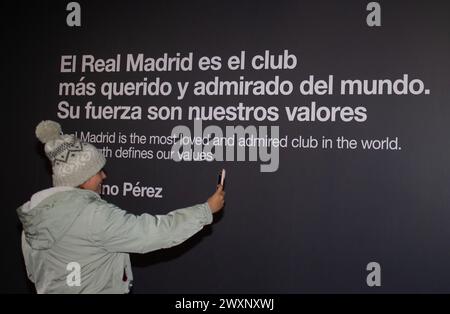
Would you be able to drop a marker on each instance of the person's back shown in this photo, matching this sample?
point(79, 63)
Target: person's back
point(57, 232)
point(66, 226)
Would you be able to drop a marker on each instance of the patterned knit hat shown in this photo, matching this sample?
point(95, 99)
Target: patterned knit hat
point(73, 161)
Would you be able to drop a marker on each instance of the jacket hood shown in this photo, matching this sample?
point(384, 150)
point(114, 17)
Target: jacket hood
point(48, 215)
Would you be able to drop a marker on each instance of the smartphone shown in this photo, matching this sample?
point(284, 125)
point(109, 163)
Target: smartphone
point(221, 178)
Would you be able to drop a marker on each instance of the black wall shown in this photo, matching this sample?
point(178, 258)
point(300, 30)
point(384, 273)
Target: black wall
point(315, 223)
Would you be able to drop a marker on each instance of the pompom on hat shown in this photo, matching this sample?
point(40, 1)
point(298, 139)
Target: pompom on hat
point(73, 161)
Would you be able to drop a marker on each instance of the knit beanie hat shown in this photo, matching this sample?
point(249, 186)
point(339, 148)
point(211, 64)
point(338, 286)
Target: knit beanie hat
point(73, 161)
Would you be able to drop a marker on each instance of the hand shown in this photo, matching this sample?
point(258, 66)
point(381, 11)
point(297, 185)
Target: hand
point(217, 200)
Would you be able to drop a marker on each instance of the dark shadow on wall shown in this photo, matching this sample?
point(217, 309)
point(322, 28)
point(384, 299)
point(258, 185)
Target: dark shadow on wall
point(165, 255)
point(46, 164)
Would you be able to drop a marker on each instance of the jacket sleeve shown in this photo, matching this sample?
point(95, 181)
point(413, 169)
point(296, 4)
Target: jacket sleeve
point(119, 231)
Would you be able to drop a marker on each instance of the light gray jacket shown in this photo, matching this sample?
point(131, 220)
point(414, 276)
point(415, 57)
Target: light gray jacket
point(64, 225)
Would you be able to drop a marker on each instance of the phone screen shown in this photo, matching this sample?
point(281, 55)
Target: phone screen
point(221, 178)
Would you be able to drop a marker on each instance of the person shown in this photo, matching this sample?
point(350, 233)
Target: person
point(69, 227)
